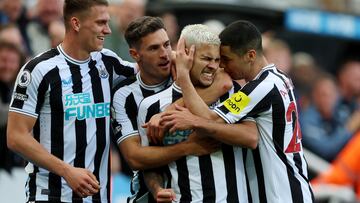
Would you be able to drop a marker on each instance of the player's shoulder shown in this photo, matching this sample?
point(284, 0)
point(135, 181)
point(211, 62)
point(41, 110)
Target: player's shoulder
point(43, 59)
point(155, 98)
point(126, 85)
point(109, 52)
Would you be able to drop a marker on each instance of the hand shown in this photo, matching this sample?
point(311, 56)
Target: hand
point(179, 119)
point(81, 181)
point(202, 145)
point(184, 58)
point(165, 195)
point(155, 131)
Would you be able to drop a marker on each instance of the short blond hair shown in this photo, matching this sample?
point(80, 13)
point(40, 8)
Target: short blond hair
point(198, 34)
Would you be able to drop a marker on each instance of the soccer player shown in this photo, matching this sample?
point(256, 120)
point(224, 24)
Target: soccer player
point(59, 117)
point(277, 168)
point(217, 177)
point(150, 47)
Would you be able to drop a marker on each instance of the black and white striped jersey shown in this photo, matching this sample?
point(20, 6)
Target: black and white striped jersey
point(277, 167)
point(127, 96)
point(126, 99)
point(71, 101)
point(218, 177)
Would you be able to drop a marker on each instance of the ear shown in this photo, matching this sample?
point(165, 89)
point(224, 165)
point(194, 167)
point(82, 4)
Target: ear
point(75, 23)
point(251, 55)
point(134, 54)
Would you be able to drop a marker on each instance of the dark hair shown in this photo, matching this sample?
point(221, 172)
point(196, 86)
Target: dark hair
point(13, 47)
point(242, 36)
point(141, 27)
point(76, 6)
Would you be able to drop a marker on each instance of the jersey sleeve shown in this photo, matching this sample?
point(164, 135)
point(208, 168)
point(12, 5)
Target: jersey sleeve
point(124, 123)
point(244, 103)
point(122, 68)
point(25, 99)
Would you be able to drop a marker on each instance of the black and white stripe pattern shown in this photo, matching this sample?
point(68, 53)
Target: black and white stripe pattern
point(71, 101)
point(218, 177)
point(127, 96)
point(277, 167)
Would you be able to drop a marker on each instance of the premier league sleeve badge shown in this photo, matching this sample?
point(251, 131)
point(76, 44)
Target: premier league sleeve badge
point(24, 78)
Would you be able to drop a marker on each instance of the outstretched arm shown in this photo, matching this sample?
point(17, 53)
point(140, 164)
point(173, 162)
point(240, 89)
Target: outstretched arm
point(244, 134)
point(145, 157)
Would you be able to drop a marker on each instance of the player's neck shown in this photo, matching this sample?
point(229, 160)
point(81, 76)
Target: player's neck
point(258, 65)
point(74, 49)
point(151, 81)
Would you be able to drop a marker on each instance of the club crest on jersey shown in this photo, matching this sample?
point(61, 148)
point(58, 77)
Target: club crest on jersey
point(236, 102)
point(24, 78)
point(103, 72)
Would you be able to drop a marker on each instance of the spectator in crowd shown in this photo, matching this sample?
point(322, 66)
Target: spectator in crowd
point(123, 12)
point(348, 81)
point(11, 33)
point(172, 27)
point(278, 52)
point(10, 11)
point(12, 59)
point(14, 12)
point(46, 12)
point(303, 73)
point(56, 32)
point(345, 169)
point(325, 132)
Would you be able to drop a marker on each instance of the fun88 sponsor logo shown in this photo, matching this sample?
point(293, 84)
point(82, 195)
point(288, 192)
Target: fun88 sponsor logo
point(176, 137)
point(81, 107)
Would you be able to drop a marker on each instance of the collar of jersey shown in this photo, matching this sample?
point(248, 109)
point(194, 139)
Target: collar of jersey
point(176, 87)
point(150, 87)
point(79, 62)
point(270, 66)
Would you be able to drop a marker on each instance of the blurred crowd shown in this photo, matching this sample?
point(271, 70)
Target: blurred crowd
point(328, 102)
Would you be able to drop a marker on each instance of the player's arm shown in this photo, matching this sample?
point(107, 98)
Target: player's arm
point(244, 134)
point(145, 157)
point(20, 140)
point(221, 85)
point(154, 180)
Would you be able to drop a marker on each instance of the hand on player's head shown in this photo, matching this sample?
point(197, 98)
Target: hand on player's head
point(184, 57)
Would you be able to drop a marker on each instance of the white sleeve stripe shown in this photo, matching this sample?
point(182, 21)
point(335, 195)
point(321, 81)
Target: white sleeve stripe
point(222, 115)
point(24, 112)
point(124, 137)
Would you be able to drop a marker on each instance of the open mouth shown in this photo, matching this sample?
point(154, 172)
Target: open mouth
point(209, 76)
point(165, 64)
point(101, 38)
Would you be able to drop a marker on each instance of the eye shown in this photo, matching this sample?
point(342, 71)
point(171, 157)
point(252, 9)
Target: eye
point(167, 44)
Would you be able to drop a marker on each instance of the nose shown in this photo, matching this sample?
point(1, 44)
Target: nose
point(107, 29)
point(164, 52)
point(213, 65)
